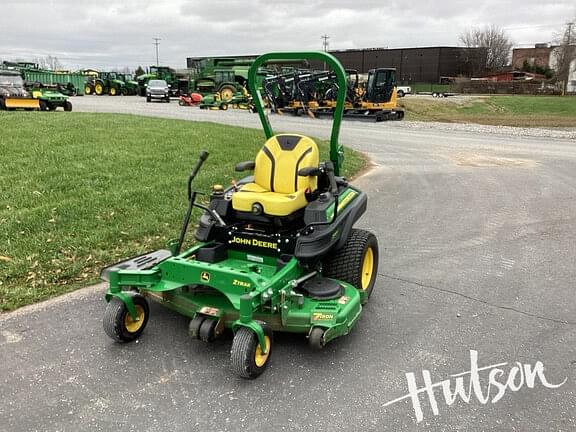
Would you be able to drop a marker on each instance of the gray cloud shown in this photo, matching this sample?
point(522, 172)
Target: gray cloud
point(109, 33)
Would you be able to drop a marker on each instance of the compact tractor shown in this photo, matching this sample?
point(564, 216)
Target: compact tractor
point(275, 252)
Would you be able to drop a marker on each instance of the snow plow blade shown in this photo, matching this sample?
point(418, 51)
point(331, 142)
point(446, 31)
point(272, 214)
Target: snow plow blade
point(25, 103)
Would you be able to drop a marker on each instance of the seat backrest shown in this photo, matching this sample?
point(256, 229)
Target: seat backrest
point(278, 162)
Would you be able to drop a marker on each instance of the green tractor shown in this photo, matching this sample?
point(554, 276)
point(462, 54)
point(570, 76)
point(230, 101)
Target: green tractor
point(276, 251)
point(108, 83)
point(225, 76)
point(130, 85)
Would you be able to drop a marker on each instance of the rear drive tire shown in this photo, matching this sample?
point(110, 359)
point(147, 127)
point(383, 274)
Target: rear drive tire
point(68, 106)
point(356, 262)
point(400, 93)
point(43, 106)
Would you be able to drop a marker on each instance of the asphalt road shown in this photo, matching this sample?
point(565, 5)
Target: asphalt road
point(477, 253)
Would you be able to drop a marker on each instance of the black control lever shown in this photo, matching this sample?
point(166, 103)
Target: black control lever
point(191, 198)
point(201, 159)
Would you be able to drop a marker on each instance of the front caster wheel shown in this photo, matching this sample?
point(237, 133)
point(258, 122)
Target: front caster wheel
point(316, 338)
point(247, 358)
point(207, 330)
point(194, 326)
point(118, 323)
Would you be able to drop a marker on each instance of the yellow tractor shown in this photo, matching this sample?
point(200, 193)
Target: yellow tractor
point(377, 99)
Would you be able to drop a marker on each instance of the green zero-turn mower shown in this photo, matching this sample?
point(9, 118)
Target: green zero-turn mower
point(276, 251)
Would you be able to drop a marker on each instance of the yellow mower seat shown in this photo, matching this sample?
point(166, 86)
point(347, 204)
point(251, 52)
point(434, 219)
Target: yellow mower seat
point(277, 186)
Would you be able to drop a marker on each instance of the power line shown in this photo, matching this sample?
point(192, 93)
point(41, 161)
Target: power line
point(157, 42)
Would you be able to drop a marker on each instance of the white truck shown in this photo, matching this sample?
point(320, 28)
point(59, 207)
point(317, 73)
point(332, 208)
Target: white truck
point(402, 91)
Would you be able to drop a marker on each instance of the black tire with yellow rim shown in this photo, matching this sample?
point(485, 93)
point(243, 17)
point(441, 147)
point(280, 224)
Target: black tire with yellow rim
point(227, 92)
point(356, 262)
point(88, 89)
point(113, 91)
point(119, 324)
point(247, 358)
point(99, 88)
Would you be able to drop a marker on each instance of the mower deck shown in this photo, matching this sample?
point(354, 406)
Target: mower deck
point(237, 290)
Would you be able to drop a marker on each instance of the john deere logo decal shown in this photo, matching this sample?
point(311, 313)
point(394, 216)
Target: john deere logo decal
point(205, 276)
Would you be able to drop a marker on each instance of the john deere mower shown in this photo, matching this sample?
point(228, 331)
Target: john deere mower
point(276, 251)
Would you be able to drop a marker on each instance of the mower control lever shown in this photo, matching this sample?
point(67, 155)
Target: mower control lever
point(191, 198)
point(203, 156)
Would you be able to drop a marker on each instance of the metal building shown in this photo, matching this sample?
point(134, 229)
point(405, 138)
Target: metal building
point(422, 65)
point(413, 65)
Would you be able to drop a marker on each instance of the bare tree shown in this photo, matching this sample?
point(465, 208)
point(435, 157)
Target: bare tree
point(49, 62)
point(496, 42)
point(564, 55)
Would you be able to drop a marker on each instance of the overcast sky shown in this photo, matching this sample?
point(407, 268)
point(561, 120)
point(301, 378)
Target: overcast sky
point(115, 34)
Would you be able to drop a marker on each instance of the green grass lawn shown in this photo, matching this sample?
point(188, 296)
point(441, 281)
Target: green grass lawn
point(526, 111)
point(81, 191)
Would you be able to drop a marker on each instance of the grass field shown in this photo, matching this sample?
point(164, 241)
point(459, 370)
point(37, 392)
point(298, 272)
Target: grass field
point(525, 111)
point(80, 191)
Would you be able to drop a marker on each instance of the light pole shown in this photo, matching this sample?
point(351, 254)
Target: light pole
point(325, 44)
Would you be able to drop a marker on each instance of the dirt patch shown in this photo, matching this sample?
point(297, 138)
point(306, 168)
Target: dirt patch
point(492, 161)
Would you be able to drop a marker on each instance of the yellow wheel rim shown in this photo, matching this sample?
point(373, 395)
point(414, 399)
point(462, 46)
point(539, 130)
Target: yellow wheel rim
point(134, 325)
point(226, 94)
point(87, 89)
point(113, 91)
point(98, 88)
point(367, 268)
point(260, 358)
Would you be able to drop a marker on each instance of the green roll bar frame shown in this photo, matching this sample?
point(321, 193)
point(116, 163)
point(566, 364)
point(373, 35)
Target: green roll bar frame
point(336, 150)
